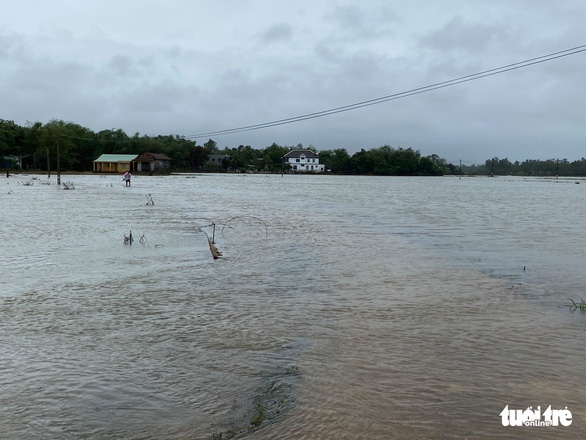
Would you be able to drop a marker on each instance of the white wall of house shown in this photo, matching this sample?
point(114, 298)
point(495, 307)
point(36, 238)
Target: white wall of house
point(305, 164)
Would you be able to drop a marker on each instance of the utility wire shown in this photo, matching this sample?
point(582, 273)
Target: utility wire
point(416, 91)
point(375, 101)
point(128, 140)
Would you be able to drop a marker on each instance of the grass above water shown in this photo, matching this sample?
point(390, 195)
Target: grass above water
point(580, 306)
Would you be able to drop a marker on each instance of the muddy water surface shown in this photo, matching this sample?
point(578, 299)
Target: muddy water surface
point(344, 307)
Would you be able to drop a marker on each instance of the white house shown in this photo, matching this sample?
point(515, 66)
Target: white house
point(304, 161)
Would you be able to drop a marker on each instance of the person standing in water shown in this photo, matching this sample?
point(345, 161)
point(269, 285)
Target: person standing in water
point(127, 177)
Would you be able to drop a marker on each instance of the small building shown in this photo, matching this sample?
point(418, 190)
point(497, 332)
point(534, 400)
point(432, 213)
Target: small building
point(217, 159)
point(11, 162)
point(153, 162)
point(304, 161)
point(114, 163)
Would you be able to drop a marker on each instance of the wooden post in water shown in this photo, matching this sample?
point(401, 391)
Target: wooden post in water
point(214, 250)
point(212, 242)
point(48, 164)
point(58, 164)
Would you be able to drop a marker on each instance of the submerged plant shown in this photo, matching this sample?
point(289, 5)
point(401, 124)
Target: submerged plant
point(261, 415)
point(581, 306)
point(272, 400)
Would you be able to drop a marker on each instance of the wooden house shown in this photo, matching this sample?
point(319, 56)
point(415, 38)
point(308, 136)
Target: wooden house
point(153, 162)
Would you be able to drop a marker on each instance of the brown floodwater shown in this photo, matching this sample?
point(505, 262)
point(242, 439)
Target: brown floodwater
point(343, 307)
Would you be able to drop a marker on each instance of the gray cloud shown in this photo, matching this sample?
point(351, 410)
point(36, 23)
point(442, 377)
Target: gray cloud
point(356, 21)
point(122, 65)
point(190, 67)
point(281, 32)
point(470, 38)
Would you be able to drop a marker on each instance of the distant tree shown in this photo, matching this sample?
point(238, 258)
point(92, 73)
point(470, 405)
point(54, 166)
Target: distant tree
point(197, 156)
point(428, 168)
point(272, 158)
point(245, 158)
point(212, 146)
point(31, 143)
point(336, 161)
point(11, 138)
point(52, 141)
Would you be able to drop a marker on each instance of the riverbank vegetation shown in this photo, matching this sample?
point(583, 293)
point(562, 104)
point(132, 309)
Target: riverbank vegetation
point(35, 147)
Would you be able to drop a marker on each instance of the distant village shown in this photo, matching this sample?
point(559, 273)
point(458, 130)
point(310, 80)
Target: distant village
point(72, 147)
point(297, 161)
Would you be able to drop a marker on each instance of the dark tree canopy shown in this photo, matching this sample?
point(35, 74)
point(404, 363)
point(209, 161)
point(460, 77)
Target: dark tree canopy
point(37, 143)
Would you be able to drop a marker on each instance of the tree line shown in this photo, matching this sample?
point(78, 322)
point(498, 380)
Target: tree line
point(78, 147)
point(549, 167)
point(37, 144)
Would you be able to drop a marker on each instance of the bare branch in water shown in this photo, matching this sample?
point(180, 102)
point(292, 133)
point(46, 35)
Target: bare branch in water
point(128, 239)
point(247, 217)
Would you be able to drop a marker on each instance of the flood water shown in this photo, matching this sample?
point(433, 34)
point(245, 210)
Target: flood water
point(342, 308)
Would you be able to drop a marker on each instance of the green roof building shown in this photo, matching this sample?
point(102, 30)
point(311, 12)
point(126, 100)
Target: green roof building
point(114, 163)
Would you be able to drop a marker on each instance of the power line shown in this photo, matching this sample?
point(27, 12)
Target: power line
point(407, 93)
point(375, 101)
point(128, 140)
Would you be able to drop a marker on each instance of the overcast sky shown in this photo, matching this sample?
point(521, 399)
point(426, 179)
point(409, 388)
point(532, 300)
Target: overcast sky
point(187, 67)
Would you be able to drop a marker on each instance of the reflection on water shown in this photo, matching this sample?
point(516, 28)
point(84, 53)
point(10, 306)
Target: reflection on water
point(374, 308)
